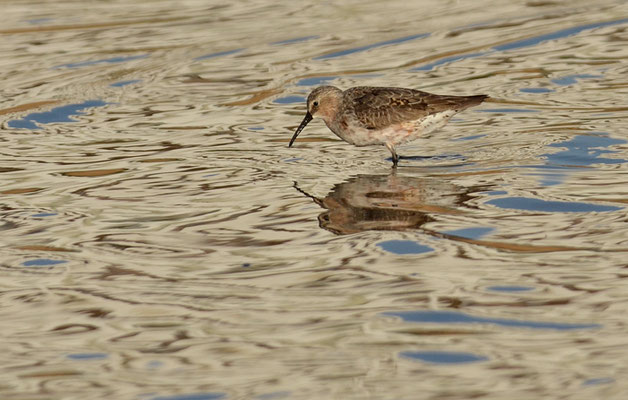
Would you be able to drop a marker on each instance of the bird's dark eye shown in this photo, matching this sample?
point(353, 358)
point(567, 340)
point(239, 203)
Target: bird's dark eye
point(315, 104)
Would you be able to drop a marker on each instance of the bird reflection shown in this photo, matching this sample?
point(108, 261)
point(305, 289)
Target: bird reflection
point(388, 202)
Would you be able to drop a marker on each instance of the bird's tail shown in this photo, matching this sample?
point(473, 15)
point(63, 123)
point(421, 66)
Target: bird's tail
point(475, 100)
point(471, 101)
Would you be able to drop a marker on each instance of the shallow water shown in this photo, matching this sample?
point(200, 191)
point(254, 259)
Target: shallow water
point(161, 241)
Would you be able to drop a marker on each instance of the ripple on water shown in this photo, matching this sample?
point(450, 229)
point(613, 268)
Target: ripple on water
point(87, 356)
point(316, 81)
point(188, 251)
point(219, 54)
point(443, 357)
point(404, 247)
point(57, 114)
point(371, 46)
point(510, 288)
point(43, 262)
point(290, 100)
point(530, 204)
point(296, 40)
point(192, 396)
point(536, 90)
point(456, 317)
point(470, 233)
point(274, 395)
point(585, 150)
point(112, 60)
point(125, 83)
point(43, 215)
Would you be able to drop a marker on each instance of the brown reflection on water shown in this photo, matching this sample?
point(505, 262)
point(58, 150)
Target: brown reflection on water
point(27, 106)
point(389, 202)
point(256, 97)
point(43, 248)
point(94, 172)
point(511, 247)
point(83, 27)
point(22, 190)
point(405, 203)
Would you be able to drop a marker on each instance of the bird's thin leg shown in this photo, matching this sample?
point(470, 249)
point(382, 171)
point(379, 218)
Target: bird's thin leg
point(395, 157)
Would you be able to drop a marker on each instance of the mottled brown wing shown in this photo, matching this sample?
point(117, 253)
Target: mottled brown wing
point(379, 107)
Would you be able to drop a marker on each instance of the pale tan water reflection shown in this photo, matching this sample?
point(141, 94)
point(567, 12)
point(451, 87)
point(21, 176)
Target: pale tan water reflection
point(388, 202)
point(160, 241)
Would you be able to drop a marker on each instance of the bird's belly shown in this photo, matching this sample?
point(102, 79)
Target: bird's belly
point(361, 136)
point(394, 134)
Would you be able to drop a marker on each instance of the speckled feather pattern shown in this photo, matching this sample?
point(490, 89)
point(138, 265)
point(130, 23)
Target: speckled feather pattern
point(382, 115)
point(380, 107)
point(368, 115)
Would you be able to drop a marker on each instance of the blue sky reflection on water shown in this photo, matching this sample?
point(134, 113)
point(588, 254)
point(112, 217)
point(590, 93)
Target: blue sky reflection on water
point(125, 83)
point(457, 317)
point(578, 152)
point(193, 396)
point(289, 100)
point(57, 114)
point(471, 233)
point(510, 288)
point(42, 262)
point(585, 150)
point(551, 206)
point(112, 60)
point(404, 247)
point(443, 357)
point(295, 40)
point(87, 356)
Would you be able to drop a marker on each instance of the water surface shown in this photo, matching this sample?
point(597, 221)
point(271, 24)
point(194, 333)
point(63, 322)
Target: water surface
point(161, 241)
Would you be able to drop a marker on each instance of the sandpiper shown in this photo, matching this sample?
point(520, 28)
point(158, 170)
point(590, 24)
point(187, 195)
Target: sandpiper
point(389, 116)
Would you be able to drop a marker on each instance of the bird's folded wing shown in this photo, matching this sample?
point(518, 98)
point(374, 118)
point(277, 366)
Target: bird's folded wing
point(378, 108)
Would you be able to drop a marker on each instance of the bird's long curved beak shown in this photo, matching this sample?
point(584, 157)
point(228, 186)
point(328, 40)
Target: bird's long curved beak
point(306, 120)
